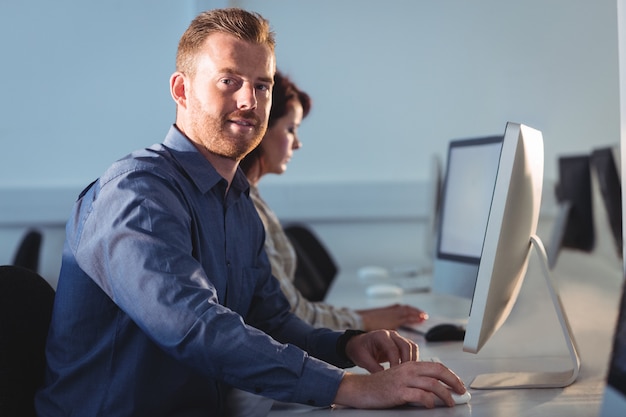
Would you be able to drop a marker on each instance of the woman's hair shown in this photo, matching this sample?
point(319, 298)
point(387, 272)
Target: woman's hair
point(244, 25)
point(283, 92)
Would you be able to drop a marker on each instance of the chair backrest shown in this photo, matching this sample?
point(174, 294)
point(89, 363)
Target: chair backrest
point(315, 268)
point(27, 254)
point(25, 311)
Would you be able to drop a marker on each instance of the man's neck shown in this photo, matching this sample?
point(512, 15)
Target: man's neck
point(226, 167)
point(254, 173)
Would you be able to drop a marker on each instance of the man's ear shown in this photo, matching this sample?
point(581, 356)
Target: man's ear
point(177, 88)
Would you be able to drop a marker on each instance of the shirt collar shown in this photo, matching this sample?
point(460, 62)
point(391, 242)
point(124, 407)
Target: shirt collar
point(197, 167)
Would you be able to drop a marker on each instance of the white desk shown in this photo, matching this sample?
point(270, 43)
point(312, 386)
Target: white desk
point(531, 339)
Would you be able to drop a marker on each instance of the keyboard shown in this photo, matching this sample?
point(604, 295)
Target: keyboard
point(420, 283)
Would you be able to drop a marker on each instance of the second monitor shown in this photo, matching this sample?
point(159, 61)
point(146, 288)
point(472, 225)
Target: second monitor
point(471, 168)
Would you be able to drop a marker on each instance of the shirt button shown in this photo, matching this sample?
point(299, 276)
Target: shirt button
point(311, 402)
point(258, 390)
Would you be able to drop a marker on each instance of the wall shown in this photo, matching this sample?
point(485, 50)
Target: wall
point(86, 82)
point(394, 81)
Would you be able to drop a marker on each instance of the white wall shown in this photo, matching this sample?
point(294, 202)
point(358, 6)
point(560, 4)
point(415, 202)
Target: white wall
point(86, 82)
point(393, 81)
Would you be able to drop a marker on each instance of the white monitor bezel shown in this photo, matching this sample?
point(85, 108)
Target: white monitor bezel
point(493, 299)
point(509, 238)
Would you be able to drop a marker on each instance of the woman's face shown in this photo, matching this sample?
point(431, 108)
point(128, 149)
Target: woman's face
point(281, 140)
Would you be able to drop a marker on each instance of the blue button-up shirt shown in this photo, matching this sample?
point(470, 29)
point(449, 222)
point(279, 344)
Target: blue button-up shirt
point(165, 298)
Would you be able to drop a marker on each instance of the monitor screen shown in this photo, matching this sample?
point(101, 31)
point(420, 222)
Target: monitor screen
point(470, 176)
point(510, 235)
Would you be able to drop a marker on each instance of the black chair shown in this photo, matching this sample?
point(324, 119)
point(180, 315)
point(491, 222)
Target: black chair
point(25, 311)
point(27, 254)
point(315, 268)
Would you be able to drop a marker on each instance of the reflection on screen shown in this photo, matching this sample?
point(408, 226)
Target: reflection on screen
point(470, 180)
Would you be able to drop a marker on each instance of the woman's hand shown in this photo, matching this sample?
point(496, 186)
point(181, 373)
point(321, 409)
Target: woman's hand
point(391, 317)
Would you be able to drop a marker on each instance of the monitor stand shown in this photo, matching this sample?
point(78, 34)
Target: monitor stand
point(455, 278)
point(506, 380)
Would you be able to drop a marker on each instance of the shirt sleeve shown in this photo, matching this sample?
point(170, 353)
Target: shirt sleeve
point(134, 243)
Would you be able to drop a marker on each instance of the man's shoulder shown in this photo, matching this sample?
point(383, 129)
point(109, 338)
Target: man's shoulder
point(152, 161)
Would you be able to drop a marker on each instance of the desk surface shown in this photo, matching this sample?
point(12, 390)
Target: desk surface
point(531, 339)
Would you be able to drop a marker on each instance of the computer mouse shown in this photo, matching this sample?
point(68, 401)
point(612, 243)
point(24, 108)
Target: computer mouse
point(445, 332)
point(384, 290)
point(372, 273)
point(458, 400)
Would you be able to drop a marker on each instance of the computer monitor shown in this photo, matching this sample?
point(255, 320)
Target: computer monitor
point(509, 236)
point(605, 163)
point(574, 224)
point(434, 210)
point(608, 163)
point(614, 398)
point(471, 169)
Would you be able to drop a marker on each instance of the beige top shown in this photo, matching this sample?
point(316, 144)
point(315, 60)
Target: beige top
point(282, 257)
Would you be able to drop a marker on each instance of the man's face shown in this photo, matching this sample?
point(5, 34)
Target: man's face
point(229, 98)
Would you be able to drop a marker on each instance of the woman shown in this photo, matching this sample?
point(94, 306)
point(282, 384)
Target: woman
point(289, 106)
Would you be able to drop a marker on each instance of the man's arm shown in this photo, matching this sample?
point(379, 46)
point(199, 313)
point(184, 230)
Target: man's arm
point(144, 261)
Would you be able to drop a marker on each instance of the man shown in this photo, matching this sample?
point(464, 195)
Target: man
point(165, 298)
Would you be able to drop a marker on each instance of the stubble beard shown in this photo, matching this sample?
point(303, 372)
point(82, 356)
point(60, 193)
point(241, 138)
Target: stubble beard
point(217, 138)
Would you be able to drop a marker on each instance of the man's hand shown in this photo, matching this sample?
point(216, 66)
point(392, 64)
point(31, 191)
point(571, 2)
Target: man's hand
point(408, 382)
point(369, 350)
